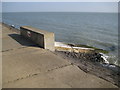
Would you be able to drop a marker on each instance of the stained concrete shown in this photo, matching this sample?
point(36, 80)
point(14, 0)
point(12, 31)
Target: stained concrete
point(43, 38)
point(25, 65)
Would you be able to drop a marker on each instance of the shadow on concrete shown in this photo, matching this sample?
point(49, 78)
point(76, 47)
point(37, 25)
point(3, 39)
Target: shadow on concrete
point(23, 41)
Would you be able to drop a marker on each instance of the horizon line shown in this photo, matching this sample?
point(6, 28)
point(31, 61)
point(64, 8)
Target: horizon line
point(58, 11)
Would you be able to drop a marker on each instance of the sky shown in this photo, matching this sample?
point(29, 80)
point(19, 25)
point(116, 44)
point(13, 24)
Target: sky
point(59, 6)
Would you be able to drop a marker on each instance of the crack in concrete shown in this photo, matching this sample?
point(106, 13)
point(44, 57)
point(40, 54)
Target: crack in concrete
point(7, 50)
point(59, 67)
point(14, 49)
point(31, 75)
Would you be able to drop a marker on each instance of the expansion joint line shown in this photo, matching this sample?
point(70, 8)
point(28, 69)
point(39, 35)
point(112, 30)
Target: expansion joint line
point(14, 49)
point(31, 75)
point(60, 67)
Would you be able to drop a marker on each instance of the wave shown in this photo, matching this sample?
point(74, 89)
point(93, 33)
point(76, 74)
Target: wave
point(105, 57)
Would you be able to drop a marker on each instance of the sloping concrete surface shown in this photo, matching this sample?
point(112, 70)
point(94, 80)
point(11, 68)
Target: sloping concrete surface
point(27, 61)
point(25, 65)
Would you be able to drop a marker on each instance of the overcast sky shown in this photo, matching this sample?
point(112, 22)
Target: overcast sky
point(59, 6)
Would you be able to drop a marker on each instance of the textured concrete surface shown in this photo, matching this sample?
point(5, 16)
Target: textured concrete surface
point(26, 65)
point(43, 38)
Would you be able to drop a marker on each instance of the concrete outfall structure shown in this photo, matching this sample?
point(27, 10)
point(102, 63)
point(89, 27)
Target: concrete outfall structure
point(25, 65)
point(43, 38)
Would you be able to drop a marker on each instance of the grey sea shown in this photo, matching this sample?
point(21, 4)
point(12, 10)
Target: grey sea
point(94, 29)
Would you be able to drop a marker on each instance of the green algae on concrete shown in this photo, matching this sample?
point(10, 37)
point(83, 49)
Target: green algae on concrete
point(86, 46)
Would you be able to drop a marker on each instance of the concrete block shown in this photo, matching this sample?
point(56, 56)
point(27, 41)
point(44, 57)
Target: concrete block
point(43, 38)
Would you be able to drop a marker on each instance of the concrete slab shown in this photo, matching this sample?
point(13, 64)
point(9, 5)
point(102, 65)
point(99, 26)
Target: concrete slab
point(65, 77)
point(27, 61)
point(14, 40)
point(76, 78)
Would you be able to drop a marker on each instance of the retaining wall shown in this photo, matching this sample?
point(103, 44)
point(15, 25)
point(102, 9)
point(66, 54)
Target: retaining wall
point(43, 38)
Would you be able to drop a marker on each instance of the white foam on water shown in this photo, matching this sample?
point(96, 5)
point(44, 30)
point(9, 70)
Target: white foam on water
point(61, 44)
point(82, 48)
point(105, 57)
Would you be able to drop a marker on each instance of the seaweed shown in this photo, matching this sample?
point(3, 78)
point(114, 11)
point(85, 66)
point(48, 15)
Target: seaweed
point(86, 46)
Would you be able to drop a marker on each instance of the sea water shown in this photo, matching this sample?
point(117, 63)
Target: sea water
point(94, 29)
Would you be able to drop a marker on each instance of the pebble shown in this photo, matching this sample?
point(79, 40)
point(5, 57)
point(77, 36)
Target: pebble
point(93, 57)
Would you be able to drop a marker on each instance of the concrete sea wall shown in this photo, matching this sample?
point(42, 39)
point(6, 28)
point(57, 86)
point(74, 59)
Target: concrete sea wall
point(43, 38)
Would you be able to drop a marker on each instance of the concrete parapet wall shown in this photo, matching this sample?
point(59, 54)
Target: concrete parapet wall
point(43, 38)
